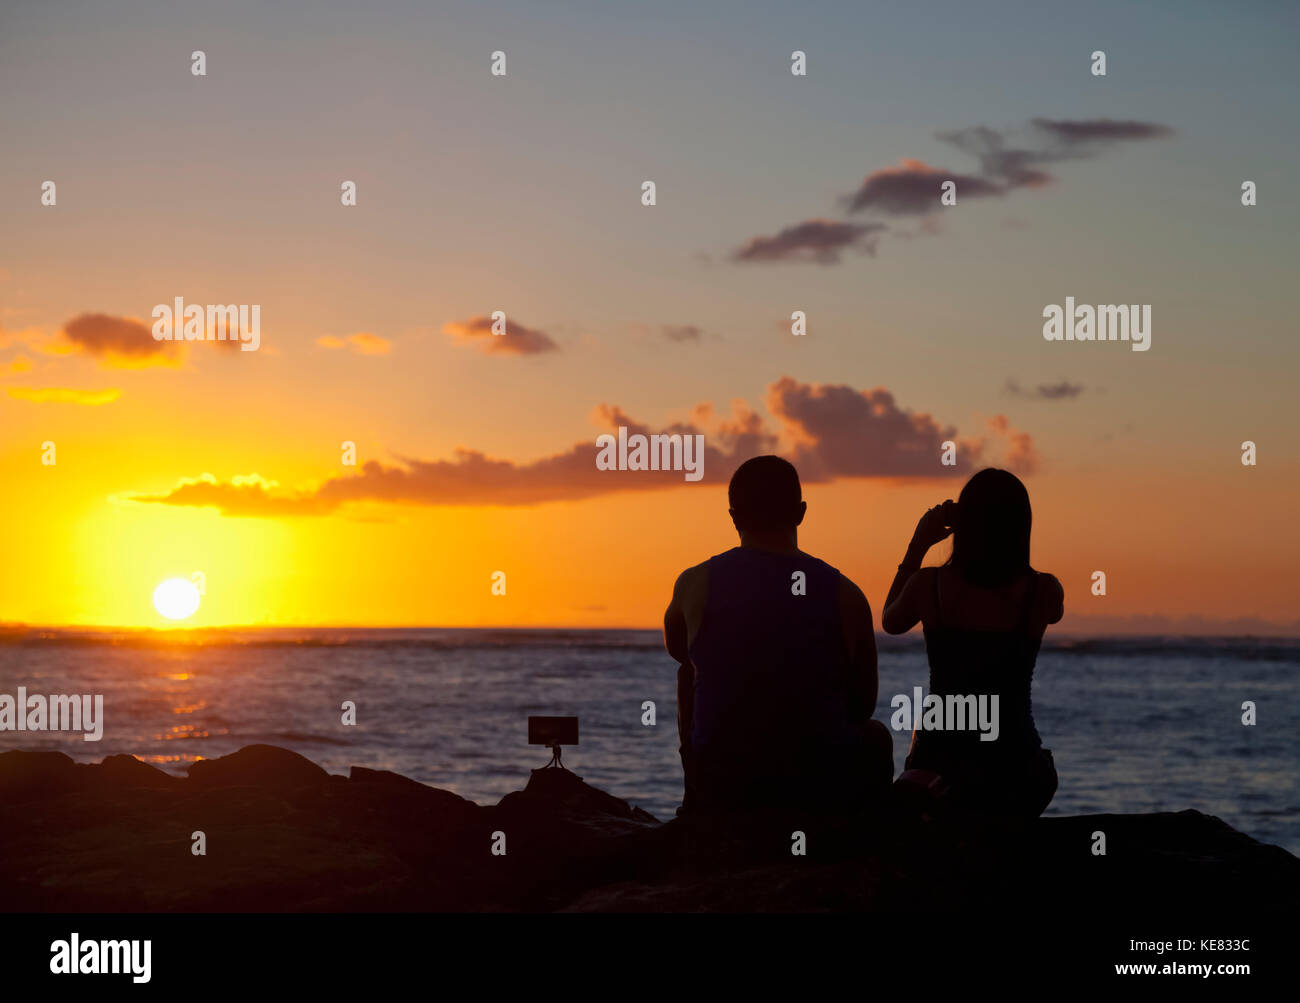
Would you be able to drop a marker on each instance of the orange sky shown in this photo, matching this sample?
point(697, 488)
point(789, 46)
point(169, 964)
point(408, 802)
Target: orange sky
point(79, 557)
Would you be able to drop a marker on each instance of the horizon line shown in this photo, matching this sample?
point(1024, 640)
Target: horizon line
point(1280, 630)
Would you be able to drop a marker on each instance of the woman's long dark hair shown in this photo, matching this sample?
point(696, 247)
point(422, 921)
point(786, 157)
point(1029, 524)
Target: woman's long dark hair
point(990, 538)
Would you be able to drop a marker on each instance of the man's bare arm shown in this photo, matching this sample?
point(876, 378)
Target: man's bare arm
point(675, 625)
point(677, 639)
point(861, 634)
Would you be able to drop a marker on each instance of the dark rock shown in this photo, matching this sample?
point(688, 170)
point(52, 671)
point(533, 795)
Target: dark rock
point(395, 785)
point(562, 793)
point(127, 771)
point(283, 835)
point(257, 766)
point(26, 775)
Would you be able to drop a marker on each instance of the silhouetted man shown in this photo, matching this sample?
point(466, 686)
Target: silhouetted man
point(778, 665)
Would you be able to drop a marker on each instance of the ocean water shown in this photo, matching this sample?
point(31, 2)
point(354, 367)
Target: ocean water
point(1135, 724)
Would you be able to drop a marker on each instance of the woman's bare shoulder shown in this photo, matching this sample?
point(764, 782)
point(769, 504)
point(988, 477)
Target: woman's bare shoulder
point(1050, 584)
point(1051, 594)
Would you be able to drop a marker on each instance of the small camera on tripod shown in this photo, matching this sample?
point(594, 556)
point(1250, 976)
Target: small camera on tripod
point(554, 732)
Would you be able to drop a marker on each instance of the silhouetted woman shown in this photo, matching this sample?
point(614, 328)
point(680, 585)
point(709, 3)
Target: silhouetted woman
point(984, 613)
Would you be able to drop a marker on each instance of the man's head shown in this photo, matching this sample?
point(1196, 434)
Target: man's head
point(765, 497)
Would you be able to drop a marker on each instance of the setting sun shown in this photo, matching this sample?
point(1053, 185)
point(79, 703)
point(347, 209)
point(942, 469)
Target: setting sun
point(176, 598)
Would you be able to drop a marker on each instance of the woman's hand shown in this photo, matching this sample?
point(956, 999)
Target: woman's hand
point(934, 526)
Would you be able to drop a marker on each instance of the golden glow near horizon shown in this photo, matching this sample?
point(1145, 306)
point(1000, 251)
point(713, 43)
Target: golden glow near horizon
point(607, 561)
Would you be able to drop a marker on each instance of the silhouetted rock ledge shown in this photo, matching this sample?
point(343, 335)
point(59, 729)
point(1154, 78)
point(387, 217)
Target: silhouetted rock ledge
point(284, 835)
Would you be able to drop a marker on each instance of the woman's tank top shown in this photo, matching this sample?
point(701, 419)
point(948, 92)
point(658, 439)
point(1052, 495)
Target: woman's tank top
point(973, 661)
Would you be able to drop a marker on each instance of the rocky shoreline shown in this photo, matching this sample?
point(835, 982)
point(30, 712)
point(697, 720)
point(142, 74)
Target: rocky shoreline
point(282, 835)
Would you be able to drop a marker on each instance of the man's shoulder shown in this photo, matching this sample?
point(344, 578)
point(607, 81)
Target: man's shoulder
point(692, 577)
point(850, 594)
point(826, 567)
point(701, 570)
